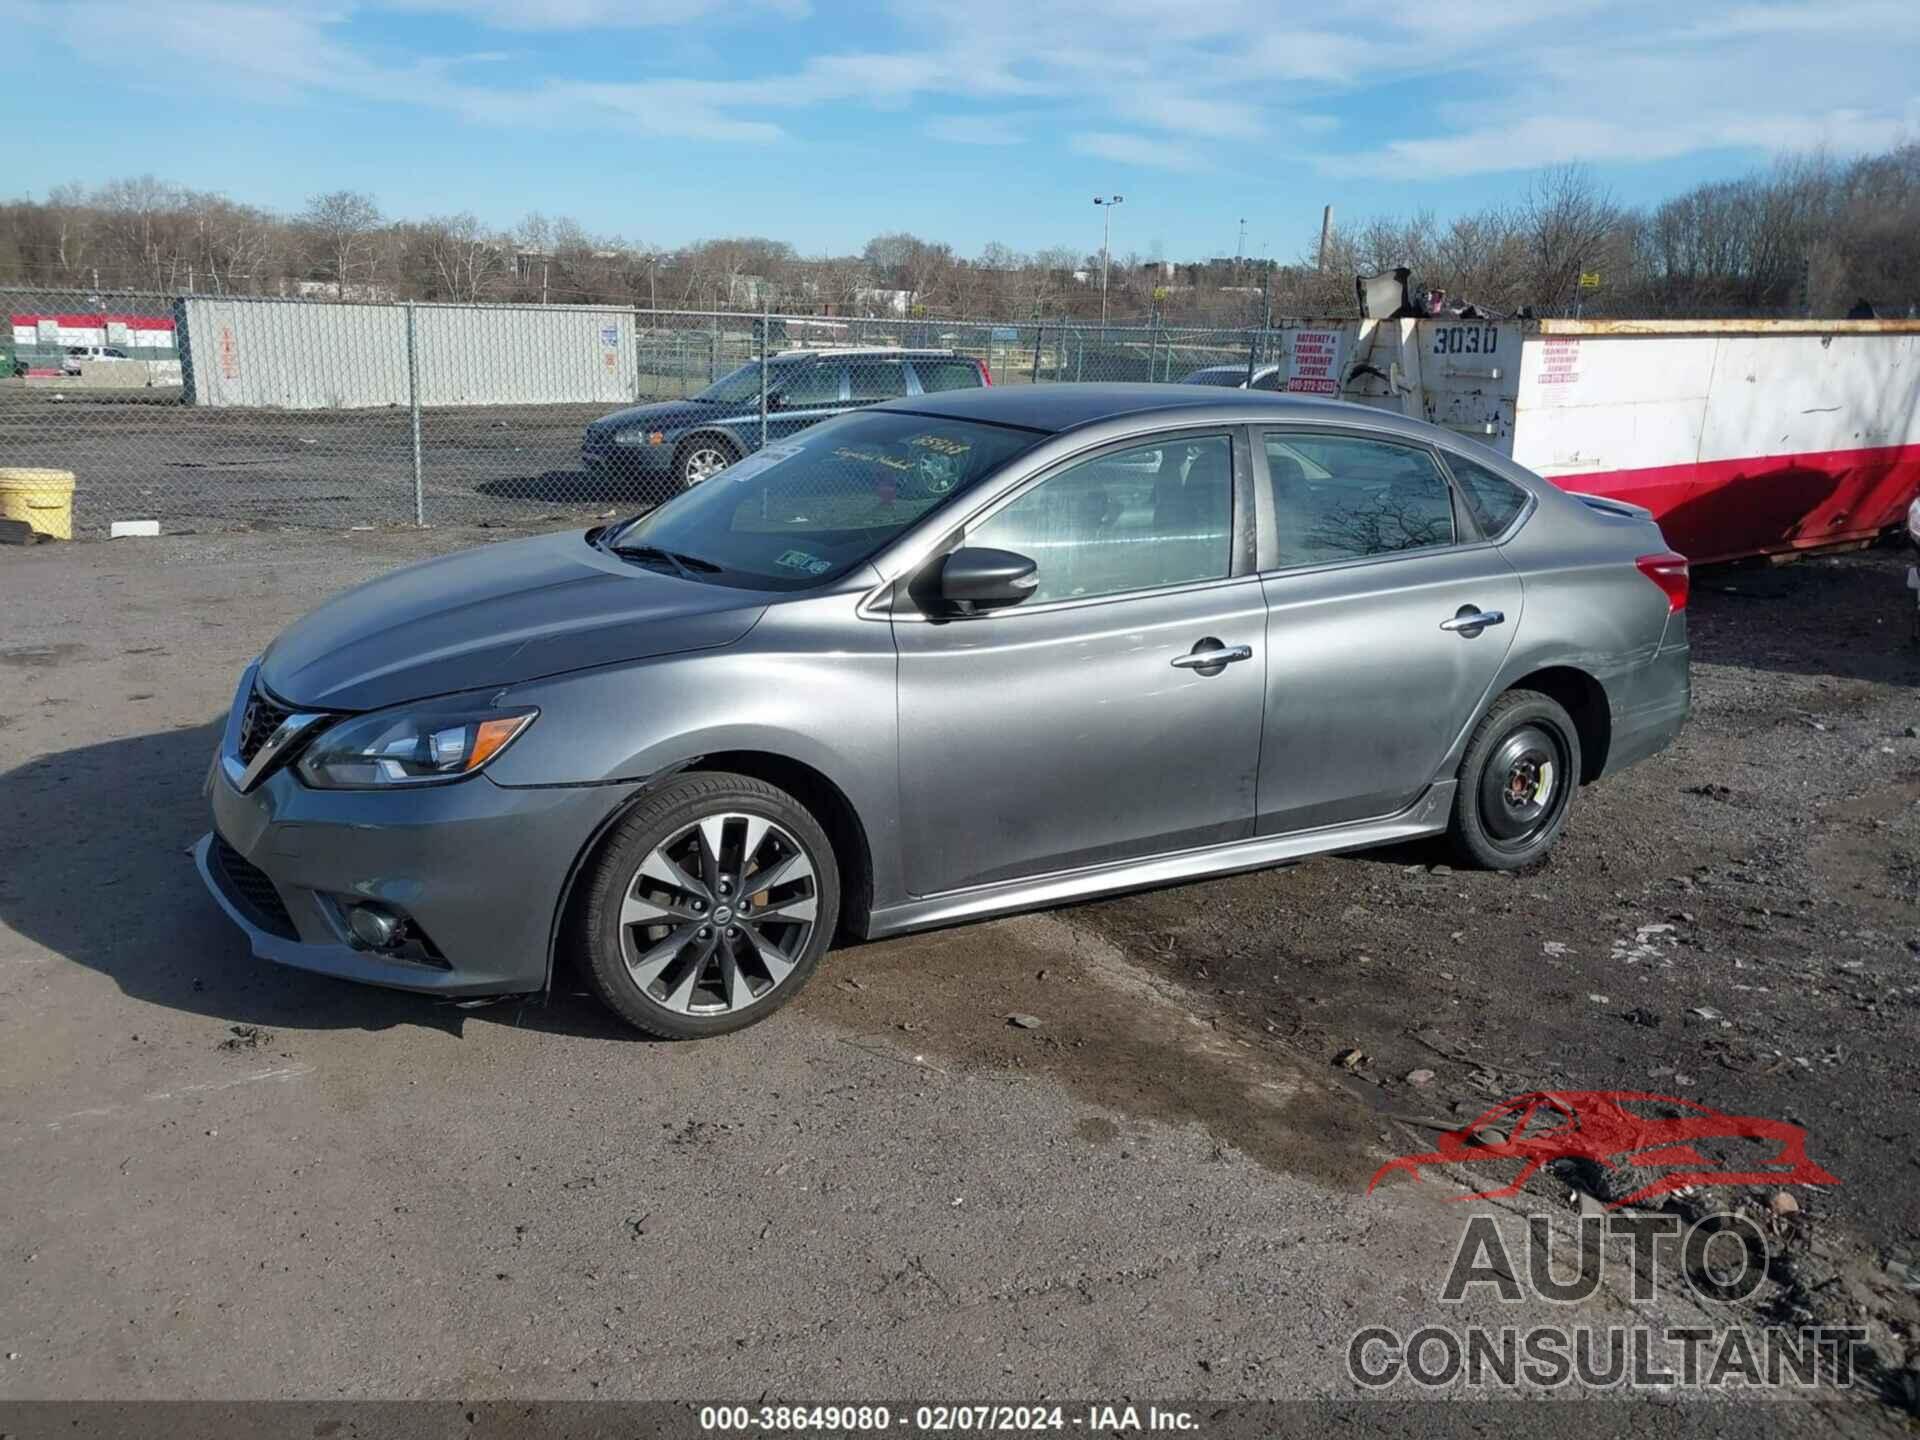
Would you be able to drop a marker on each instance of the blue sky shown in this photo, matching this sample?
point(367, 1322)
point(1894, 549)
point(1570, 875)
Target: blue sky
point(969, 121)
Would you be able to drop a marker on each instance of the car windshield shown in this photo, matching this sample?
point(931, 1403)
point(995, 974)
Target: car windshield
point(805, 511)
point(737, 387)
point(1230, 377)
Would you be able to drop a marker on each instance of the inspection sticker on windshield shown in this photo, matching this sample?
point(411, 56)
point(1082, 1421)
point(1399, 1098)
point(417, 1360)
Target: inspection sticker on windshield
point(801, 560)
point(761, 461)
point(944, 444)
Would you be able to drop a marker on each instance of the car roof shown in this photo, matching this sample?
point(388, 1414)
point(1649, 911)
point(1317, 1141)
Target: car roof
point(842, 352)
point(1052, 409)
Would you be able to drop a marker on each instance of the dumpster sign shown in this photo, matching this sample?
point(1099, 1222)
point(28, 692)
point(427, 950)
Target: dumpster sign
point(1313, 362)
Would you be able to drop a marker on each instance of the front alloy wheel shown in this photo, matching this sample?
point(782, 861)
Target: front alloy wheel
point(709, 906)
point(717, 916)
point(702, 460)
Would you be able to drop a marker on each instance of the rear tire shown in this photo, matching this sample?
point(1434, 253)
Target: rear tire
point(708, 906)
point(1517, 782)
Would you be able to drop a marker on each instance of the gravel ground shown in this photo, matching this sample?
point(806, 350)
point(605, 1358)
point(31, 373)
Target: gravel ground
point(142, 455)
point(225, 1180)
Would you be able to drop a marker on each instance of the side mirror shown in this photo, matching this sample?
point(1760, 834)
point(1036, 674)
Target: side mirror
point(977, 577)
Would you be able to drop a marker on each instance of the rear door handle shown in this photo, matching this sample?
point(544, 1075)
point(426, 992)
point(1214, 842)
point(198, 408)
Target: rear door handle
point(1472, 620)
point(1214, 658)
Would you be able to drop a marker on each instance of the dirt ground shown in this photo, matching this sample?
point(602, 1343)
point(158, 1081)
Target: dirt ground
point(225, 1180)
point(1736, 921)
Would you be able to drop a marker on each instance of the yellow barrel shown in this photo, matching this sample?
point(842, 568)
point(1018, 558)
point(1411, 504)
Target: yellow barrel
point(42, 498)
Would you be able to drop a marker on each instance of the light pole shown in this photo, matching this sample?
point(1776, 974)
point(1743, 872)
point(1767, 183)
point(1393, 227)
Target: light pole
point(1106, 239)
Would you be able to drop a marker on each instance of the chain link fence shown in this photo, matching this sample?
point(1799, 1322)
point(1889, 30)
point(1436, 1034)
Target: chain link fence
point(218, 412)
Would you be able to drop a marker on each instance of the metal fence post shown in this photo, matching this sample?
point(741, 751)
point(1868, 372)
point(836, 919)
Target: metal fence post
point(1253, 355)
point(766, 328)
point(639, 381)
point(1039, 331)
point(413, 404)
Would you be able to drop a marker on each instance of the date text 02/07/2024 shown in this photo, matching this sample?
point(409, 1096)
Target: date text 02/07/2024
point(943, 1419)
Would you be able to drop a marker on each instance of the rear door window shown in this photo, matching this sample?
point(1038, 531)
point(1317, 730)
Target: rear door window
point(814, 387)
point(1346, 497)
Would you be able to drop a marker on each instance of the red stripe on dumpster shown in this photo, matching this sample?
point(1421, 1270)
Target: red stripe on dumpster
point(1723, 509)
point(95, 320)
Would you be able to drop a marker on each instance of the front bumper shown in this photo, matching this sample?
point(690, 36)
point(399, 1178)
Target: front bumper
point(627, 459)
point(479, 868)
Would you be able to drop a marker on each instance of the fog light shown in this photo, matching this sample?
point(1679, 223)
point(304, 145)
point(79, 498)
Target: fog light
point(374, 927)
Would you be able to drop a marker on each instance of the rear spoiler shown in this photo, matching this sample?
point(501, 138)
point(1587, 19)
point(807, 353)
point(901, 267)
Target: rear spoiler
point(1606, 505)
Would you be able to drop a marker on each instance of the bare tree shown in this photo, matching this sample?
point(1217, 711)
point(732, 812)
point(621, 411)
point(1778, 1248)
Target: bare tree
point(144, 227)
point(1566, 221)
point(342, 229)
point(906, 262)
point(1808, 235)
point(460, 256)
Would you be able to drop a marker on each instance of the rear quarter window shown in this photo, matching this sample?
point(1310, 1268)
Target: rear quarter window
point(1495, 502)
point(937, 375)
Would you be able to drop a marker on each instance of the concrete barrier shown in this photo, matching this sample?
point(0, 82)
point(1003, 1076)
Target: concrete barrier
point(112, 375)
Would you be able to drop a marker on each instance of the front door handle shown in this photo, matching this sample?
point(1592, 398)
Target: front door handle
point(1210, 657)
point(1471, 621)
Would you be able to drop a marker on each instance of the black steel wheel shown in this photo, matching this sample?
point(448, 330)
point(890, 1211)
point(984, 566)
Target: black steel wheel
point(1517, 782)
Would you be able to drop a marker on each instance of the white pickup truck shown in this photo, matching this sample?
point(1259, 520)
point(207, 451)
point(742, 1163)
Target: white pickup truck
point(70, 362)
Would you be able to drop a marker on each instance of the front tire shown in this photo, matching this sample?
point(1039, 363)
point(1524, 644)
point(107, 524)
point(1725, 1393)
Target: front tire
point(709, 906)
point(1517, 782)
point(701, 458)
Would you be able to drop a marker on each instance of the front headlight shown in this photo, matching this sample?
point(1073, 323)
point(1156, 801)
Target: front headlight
point(420, 747)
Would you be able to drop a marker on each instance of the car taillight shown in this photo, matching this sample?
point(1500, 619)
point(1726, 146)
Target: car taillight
point(986, 375)
point(1669, 572)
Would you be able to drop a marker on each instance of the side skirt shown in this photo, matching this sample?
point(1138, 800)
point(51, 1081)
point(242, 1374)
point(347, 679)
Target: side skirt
point(1426, 816)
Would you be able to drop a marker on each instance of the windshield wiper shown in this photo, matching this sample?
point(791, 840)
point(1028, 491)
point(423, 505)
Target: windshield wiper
point(686, 565)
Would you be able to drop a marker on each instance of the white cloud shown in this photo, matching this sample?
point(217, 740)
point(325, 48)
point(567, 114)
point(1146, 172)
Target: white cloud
point(1599, 140)
point(1188, 115)
point(598, 14)
point(1462, 86)
point(978, 129)
point(1137, 150)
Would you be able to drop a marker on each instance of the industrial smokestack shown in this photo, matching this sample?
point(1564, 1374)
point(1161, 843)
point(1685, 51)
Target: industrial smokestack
point(1326, 233)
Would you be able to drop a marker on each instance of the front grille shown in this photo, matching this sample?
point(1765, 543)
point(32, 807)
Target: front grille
point(258, 721)
point(248, 884)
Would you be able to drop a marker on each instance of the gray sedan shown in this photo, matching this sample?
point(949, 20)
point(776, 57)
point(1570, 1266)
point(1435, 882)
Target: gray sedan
point(955, 656)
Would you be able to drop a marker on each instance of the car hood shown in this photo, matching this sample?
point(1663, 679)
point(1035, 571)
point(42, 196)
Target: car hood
point(662, 415)
point(496, 616)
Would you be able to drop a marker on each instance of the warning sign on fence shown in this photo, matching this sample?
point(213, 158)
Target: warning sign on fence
point(1314, 364)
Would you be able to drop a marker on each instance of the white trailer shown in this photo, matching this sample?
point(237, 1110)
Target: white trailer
point(316, 355)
